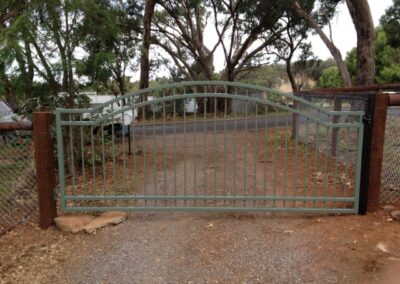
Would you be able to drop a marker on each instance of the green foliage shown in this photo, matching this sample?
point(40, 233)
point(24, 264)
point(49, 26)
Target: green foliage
point(391, 25)
point(330, 78)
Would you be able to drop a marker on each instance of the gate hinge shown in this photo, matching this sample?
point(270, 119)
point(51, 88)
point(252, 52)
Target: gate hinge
point(367, 119)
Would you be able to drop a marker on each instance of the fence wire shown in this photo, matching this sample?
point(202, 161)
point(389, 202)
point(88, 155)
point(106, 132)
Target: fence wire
point(391, 158)
point(18, 197)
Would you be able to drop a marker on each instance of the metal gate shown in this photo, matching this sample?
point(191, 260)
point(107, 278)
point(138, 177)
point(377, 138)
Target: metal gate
point(210, 146)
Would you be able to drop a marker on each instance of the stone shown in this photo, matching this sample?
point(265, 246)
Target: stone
point(104, 220)
point(389, 208)
point(73, 223)
point(395, 215)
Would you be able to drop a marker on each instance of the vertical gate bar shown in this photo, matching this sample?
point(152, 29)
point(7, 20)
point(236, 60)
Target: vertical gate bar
point(195, 146)
point(104, 163)
point(61, 161)
point(235, 149)
point(113, 153)
point(265, 154)
point(82, 157)
point(124, 156)
point(154, 154)
point(93, 160)
point(347, 163)
point(296, 156)
point(359, 164)
point(135, 152)
point(144, 142)
point(245, 153)
point(184, 150)
point(295, 119)
point(225, 164)
point(44, 160)
point(255, 158)
point(337, 106)
point(285, 161)
point(326, 165)
point(215, 149)
point(165, 153)
point(275, 157)
point(204, 147)
point(305, 171)
point(337, 157)
point(174, 109)
point(71, 139)
point(316, 139)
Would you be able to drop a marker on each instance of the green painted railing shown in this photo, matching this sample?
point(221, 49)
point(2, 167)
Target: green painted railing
point(209, 146)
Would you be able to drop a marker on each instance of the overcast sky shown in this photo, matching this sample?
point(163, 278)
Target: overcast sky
point(344, 34)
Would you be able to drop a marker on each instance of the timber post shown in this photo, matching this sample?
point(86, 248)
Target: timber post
point(44, 161)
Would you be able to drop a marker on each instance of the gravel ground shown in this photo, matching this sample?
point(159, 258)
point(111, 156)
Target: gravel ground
point(209, 248)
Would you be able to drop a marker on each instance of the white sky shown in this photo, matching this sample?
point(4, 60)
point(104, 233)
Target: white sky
point(344, 34)
point(343, 31)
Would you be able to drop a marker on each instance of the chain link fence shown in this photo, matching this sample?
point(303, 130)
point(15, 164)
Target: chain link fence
point(390, 191)
point(18, 196)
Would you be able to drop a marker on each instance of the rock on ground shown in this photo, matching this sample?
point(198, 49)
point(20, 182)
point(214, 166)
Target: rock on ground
point(396, 215)
point(73, 223)
point(105, 219)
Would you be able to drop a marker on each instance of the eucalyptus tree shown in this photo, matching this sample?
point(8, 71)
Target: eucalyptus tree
point(16, 80)
point(110, 38)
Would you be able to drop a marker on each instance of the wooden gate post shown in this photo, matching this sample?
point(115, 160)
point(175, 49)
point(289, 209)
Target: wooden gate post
point(376, 155)
point(44, 160)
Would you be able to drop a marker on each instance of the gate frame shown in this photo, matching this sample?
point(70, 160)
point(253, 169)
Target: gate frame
point(377, 102)
point(226, 84)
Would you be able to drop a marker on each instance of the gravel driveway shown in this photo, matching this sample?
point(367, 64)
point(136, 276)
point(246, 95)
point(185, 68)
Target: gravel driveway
point(237, 248)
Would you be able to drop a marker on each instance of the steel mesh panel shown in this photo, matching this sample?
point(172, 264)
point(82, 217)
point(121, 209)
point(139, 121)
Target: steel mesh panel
point(390, 191)
point(18, 197)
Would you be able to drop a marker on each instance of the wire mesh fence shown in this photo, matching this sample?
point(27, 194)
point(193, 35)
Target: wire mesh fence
point(390, 191)
point(18, 197)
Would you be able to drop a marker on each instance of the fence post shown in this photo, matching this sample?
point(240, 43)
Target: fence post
point(44, 160)
point(377, 144)
point(374, 136)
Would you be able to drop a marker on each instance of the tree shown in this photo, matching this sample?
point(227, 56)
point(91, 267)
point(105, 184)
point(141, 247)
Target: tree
point(391, 25)
point(317, 20)
point(15, 82)
point(112, 46)
point(288, 42)
point(330, 78)
point(363, 23)
point(146, 34)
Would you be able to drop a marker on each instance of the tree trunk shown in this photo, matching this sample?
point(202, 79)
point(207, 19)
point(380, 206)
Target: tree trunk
point(344, 71)
point(290, 74)
point(364, 25)
point(144, 59)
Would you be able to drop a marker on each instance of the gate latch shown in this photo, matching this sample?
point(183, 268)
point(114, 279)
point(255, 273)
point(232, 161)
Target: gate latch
point(367, 119)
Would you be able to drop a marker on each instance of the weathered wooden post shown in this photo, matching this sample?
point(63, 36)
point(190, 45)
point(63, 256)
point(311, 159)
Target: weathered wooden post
point(44, 160)
point(377, 144)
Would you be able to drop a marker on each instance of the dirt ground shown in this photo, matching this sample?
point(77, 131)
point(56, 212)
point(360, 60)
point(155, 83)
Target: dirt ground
point(209, 248)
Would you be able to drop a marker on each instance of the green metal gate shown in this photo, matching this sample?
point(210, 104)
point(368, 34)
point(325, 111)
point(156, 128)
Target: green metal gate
point(210, 146)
